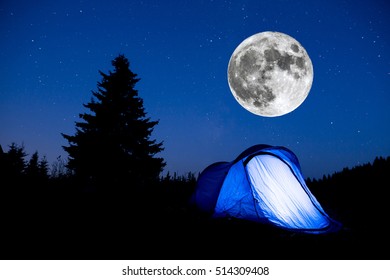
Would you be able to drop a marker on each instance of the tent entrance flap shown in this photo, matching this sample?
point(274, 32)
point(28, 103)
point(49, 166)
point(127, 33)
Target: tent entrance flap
point(235, 198)
point(281, 197)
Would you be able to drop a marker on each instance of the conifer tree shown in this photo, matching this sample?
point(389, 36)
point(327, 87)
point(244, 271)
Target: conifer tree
point(32, 167)
point(43, 168)
point(36, 172)
point(112, 146)
point(12, 167)
point(16, 163)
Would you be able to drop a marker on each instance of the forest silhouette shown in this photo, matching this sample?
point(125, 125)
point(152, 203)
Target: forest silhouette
point(107, 200)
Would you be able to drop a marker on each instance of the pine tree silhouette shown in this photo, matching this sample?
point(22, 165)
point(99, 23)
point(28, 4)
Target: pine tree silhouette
point(112, 147)
point(36, 171)
point(32, 167)
point(16, 163)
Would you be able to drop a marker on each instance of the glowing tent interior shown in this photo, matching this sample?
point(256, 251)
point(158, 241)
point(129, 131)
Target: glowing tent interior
point(263, 184)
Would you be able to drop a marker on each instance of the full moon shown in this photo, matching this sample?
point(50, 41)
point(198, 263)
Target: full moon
point(270, 74)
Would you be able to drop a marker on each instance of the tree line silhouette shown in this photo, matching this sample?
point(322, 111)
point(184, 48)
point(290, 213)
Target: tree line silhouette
point(110, 189)
point(111, 150)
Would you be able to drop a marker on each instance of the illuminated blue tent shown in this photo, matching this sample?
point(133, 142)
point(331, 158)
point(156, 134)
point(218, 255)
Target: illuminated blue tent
point(263, 184)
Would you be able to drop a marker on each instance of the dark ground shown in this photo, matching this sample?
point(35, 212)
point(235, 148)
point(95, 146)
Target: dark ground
point(63, 221)
point(90, 226)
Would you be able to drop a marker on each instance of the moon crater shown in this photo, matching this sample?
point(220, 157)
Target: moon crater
point(270, 74)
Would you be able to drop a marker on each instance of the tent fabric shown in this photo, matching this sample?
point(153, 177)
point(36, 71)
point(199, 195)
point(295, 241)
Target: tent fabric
point(263, 184)
point(209, 185)
point(236, 198)
point(281, 197)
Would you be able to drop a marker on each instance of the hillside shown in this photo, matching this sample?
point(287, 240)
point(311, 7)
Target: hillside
point(357, 196)
point(62, 222)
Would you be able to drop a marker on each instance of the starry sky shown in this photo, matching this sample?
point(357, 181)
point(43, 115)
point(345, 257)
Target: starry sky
point(51, 52)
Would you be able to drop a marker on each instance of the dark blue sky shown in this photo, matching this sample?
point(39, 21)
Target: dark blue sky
point(51, 52)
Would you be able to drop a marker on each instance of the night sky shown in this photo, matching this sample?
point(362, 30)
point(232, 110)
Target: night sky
point(51, 52)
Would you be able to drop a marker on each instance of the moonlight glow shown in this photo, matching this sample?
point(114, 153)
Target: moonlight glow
point(270, 74)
